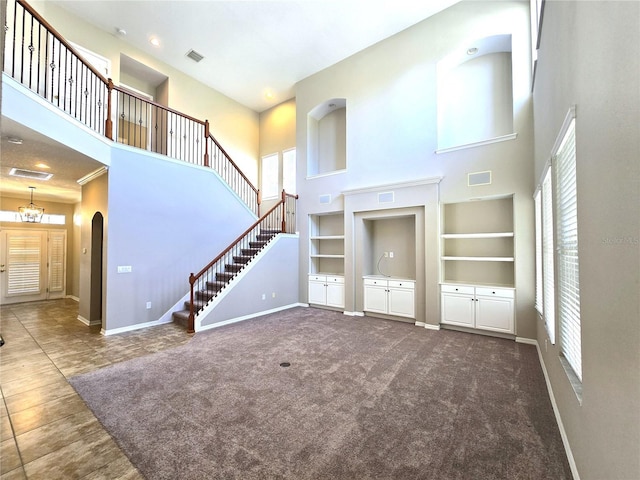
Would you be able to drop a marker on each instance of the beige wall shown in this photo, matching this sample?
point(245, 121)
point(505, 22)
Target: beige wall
point(594, 65)
point(235, 126)
point(94, 199)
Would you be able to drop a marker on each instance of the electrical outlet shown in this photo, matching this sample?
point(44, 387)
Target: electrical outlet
point(390, 254)
point(148, 305)
point(264, 296)
point(273, 295)
point(386, 254)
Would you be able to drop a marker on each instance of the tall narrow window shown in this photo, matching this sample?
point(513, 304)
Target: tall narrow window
point(567, 248)
point(289, 171)
point(548, 292)
point(537, 200)
point(270, 171)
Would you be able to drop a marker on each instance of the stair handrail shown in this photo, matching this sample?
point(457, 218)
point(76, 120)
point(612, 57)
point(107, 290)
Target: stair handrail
point(274, 222)
point(245, 189)
point(90, 98)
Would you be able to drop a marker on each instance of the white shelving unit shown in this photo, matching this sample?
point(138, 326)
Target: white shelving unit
point(326, 260)
point(478, 260)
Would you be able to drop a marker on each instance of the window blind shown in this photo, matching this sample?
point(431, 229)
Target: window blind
point(567, 252)
point(56, 261)
point(537, 200)
point(548, 283)
point(23, 264)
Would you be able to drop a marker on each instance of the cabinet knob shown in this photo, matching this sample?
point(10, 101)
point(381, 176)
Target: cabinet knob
point(493, 293)
point(456, 289)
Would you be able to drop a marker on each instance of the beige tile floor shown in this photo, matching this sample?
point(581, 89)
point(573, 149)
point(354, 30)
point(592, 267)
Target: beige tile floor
point(46, 430)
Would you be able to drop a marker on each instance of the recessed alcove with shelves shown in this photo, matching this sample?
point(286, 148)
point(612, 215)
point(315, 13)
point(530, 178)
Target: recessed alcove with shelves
point(478, 242)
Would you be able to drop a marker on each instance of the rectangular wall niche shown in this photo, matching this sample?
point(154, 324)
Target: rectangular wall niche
point(327, 137)
point(395, 235)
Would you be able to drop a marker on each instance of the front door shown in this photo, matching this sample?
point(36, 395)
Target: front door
point(32, 265)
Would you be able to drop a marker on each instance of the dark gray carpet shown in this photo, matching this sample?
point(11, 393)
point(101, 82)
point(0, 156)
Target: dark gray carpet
point(363, 399)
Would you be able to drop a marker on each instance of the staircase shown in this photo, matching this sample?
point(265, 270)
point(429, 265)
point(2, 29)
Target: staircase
point(222, 279)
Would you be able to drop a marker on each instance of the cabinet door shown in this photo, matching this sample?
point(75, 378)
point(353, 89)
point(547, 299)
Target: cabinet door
point(401, 302)
point(335, 295)
point(458, 309)
point(494, 313)
point(317, 292)
point(375, 298)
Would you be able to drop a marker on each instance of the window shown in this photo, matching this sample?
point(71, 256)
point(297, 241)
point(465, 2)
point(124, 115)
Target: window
point(289, 171)
point(567, 251)
point(270, 173)
point(537, 200)
point(548, 292)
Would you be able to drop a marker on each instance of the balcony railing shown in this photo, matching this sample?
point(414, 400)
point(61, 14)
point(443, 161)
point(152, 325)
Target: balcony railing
point(39, 57)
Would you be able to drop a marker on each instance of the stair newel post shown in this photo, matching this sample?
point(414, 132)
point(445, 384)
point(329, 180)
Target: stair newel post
point(190, 326)
point(284, 212)
point(108, 124)
point(259, 200)
point(206, 143)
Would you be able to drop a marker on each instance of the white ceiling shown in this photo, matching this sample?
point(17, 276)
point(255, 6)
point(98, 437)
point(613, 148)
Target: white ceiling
point(252, 47)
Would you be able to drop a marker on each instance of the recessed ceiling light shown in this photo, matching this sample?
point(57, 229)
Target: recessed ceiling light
point(155, 41)
point(121, 31)
point(472, 51)
point(15, 140)
point(269, 95)
point(42, 165)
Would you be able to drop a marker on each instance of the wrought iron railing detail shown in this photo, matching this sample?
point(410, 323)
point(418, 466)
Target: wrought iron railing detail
point(39, 57)
point(206, 284)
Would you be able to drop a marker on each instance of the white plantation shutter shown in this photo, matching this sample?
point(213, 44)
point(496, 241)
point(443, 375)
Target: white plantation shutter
point(23, 264)
point(548, 284)
point(57, 250)
point(567, 250)
point(537, 200)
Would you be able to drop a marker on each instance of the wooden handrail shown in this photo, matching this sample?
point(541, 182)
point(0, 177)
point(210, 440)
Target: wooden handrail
point(193, 278)
point(238, 242)
point(234, 164)
point(158, 105)
point(61, 39)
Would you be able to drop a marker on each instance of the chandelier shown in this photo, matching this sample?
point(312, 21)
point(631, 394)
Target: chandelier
point(31, 213)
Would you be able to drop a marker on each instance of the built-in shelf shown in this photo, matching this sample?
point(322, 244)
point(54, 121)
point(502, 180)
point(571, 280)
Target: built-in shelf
point(477, 235)
point(327, 237)
point(479, 259)
point(326, 243)
point(478, 242)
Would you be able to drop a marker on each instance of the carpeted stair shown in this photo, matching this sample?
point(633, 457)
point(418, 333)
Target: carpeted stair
point(203, 297)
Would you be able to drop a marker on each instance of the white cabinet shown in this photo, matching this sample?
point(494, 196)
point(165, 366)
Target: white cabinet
point(327, 290)
point(481, 307)
point(389, 296)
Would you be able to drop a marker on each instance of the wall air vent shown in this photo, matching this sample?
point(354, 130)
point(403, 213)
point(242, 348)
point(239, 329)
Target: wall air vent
point(195, 56)
point(479, 178)
point(20, 172)
point(386, 197)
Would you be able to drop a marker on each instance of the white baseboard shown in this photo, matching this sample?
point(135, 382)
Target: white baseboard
point(248, 317)
point(528, 341)
point(354, 314)
point(556, 412)
point(88, 323)
point(130, 328)
point(73, 297)
point(428, 326)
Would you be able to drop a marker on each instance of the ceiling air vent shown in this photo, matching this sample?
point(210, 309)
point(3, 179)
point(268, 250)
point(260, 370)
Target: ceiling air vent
point(195, 56)
point(19, 172)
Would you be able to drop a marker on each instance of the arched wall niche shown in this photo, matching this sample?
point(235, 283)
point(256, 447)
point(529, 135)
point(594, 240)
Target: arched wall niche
point(327, 137)
point(475, 93)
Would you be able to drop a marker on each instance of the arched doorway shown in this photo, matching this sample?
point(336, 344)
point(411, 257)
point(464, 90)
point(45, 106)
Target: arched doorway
point(95, 308)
